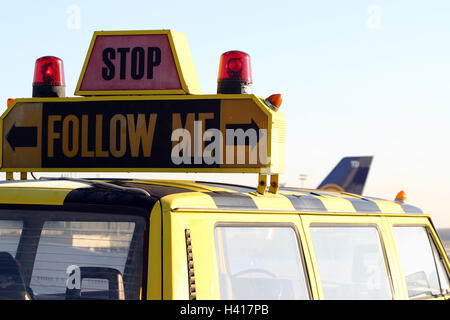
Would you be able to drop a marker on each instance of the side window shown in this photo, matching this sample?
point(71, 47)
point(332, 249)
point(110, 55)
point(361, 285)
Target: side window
point(260, 263)
point(423, 267)
point(351, 262)
point(10, 231)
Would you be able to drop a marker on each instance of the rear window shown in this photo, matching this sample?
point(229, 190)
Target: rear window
point(260, 262)
point(69, 255)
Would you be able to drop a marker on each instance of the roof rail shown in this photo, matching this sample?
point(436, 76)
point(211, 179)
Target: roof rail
point(100, 183)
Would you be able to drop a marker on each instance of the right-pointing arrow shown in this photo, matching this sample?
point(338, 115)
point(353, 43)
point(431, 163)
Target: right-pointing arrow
point(245, 127)
point(22, 137)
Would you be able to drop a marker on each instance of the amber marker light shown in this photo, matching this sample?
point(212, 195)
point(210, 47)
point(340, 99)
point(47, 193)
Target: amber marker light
point(401, 197)
point(9, 102)
point(274, 101)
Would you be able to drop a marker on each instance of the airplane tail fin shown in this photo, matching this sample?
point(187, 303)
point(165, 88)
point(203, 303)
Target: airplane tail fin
point(349, 175)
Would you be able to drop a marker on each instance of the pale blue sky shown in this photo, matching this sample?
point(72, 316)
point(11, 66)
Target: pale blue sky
point(358, 77)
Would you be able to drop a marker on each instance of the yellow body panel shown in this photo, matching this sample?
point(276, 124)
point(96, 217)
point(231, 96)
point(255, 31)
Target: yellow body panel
point(154, 280)
point(337, 205)
point(36, 197)
point(389, 206)
point(272, 202)
point(37, 192)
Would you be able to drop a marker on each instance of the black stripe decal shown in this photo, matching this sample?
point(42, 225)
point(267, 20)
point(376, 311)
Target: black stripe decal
point(155, 191)
point(364, 205)
point(230, 200)
point(411, 209)
point(102, 196)
point(323, 194)
point(306, 202)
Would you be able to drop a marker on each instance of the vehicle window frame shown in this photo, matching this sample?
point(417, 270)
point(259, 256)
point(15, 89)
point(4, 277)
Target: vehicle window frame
point(438, 257)
point(432, 244)
point(301, 250)
point(86, 213)
point(382, 242)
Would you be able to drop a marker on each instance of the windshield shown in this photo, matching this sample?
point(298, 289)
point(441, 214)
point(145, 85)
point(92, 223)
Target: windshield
point(70, 255)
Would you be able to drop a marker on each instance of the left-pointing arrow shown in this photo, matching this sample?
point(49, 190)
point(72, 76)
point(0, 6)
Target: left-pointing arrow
point(22, 137)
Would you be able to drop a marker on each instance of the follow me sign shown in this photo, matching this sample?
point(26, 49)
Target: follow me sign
point(191, 134)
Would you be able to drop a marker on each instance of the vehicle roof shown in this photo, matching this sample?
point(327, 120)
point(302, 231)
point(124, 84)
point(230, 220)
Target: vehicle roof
point(189, 195)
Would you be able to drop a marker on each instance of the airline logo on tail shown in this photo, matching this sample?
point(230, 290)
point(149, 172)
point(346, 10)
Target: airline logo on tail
point(349, 175)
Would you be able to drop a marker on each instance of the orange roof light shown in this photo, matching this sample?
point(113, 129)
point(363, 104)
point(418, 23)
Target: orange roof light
point(401, 197)
point(274, 101)
point(9, 102)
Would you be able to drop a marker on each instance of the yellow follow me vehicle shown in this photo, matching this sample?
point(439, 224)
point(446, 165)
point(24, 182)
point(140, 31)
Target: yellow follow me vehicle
point(140, 110)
